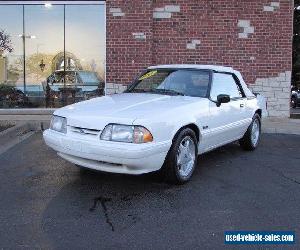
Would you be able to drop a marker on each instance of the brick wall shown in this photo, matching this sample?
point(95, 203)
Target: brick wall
point(127, 50)
point(251, 36)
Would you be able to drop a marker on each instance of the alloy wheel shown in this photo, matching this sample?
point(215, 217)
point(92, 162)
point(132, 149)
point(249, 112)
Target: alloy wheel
point(186, 155)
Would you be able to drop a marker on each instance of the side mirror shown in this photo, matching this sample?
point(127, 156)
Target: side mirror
point(222, 99)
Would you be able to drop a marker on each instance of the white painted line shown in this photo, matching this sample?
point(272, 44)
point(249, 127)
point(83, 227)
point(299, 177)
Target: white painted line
point(15, 141)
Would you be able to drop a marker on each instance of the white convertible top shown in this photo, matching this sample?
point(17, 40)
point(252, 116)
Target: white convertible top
point(193, 66)
point(210, 67)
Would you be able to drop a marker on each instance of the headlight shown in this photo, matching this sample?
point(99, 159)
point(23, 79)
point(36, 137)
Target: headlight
point(59, 124)
point(126, 133)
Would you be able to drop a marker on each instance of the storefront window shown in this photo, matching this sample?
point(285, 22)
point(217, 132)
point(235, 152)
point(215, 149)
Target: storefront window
point(11, 56)
point(46, 25)
point(64, 48)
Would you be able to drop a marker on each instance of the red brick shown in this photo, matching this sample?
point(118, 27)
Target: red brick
point(213, 22)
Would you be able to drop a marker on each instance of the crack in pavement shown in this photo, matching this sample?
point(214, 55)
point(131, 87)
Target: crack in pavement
point(103, 201)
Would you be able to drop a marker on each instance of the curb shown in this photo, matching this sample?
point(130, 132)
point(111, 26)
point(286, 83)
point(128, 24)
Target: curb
point(281, 126)
point(279, 131)
point(20, 132)
point(27, 111)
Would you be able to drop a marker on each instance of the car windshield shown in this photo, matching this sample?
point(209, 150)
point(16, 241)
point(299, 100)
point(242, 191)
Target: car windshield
point(186, 82)
point(59, 77)
point(74, 77)
point(88, 78)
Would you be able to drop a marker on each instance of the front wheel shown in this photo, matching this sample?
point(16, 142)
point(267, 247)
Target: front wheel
point(251, 138)
point(182, 157)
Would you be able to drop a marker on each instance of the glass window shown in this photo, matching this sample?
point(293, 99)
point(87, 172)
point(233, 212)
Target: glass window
point(62, 47)
point(11, 57)
point(169, 81)
point(151, 80)
point(224, 84)
point(88, 78)
point(85, 47)
point(44, 28)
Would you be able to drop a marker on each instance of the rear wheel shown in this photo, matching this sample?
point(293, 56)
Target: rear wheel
point(251, 138)
point(182, 157)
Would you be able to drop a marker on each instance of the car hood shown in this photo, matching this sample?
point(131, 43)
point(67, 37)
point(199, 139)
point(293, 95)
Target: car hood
point(121, 108)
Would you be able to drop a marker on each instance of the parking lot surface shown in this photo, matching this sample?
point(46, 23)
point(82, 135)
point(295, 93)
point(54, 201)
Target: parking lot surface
point(48, 203)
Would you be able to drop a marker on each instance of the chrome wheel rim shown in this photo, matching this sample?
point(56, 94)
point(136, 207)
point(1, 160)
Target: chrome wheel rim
point(186, 156)
point(255, 131)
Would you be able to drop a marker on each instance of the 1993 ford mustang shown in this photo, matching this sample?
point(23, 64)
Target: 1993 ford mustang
point(166, 117)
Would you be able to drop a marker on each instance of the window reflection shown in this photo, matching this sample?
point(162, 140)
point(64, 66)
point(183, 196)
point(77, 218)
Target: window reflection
point(11, 57)
point(47, 26)
point(54, 76)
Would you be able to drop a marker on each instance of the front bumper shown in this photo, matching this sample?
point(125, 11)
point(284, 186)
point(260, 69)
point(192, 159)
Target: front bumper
point(109, 156)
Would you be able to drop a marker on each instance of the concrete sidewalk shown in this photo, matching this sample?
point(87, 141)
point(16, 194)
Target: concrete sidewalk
point(34, 114)
point(26, 118)
point(281, 126)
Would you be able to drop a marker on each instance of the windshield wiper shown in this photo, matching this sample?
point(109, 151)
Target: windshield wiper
point(156, 91)
point(167, 91)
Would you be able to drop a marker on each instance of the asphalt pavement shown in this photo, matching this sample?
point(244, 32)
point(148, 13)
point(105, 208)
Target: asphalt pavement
point(47, 203)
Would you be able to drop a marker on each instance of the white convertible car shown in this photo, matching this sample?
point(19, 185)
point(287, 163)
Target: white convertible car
point(166, 117)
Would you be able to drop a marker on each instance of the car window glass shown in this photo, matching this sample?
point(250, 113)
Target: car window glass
point(184, 81)
point(224, 84)
point(148, 82)
point(88, 78)
point(189, 82)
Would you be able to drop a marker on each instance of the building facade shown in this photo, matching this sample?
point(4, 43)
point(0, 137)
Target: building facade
point(59, 52)
point(252, 36)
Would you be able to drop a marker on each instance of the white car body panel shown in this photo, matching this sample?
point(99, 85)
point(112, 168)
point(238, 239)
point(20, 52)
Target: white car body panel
point(162, 115)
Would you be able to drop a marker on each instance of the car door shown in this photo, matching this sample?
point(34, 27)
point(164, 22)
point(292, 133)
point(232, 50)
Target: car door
point(226, 121)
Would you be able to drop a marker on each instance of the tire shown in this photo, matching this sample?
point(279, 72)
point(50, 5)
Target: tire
point(251, 138)
point(181, 159)
point(294, 102)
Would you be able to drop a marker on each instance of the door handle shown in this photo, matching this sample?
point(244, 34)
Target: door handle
point(242, 105)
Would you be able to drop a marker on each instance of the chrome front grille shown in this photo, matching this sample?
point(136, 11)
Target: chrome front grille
point(84, 132)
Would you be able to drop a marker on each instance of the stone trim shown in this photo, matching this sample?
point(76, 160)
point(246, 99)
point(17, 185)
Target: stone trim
point(165, 12)
point(116, 12)
point(246, 28)
point(277, 91)
point(193, 44)
point(272, 6)
point(114, 88)
point(139, 36)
